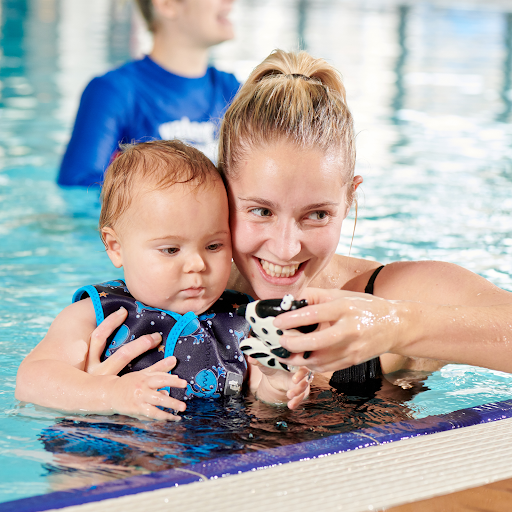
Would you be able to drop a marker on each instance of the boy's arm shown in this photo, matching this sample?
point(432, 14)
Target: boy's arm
point(96, 134)
point(53, 374)
point(279, 387)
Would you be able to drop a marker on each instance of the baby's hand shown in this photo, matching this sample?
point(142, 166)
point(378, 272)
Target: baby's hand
point(140, 394)
point(277, 386)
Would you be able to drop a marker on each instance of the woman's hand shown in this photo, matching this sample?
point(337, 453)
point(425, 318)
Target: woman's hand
point(278, 387)
point(354, 327)
point(119, 359)
point(138, 394)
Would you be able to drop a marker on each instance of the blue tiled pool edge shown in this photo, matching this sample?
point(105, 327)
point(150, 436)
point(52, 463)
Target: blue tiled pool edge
point(217, 468)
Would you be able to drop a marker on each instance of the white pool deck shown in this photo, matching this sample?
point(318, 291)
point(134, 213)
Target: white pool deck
point(372, 478)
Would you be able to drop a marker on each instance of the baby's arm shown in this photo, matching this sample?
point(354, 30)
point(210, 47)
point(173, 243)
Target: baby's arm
point(55, 374)
point(277, 386)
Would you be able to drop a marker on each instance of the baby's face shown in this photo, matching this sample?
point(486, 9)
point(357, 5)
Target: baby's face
point(175, 246)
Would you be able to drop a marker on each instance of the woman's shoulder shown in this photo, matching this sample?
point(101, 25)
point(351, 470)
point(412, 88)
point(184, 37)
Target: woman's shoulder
point(436, 282)
point(347, 273)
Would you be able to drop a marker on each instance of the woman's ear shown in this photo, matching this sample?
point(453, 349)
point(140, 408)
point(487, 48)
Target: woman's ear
point(356, 182)
point(113, 246)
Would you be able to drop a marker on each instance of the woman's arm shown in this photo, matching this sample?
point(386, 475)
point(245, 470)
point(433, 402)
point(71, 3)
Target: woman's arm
point(428, 310)
point(63, 371)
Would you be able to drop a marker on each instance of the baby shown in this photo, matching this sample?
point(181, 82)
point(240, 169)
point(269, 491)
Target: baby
point(164, 219)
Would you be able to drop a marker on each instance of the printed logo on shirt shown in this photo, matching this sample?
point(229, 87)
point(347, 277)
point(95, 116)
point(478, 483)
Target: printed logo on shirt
point(199, 134)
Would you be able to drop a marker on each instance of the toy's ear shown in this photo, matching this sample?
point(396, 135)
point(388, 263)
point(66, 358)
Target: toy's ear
point(113, 246)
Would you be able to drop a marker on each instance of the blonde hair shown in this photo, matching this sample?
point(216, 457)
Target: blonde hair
point(292, 97)
point(162, 163)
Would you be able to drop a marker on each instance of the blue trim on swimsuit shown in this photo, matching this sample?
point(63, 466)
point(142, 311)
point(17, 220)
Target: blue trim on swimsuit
point(96, 301)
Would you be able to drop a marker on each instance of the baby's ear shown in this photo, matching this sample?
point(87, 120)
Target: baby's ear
point(113, 246)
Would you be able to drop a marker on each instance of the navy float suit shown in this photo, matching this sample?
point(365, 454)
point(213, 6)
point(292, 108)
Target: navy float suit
point(207, 346)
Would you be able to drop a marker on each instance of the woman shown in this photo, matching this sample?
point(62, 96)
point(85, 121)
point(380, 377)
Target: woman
point(287, 153)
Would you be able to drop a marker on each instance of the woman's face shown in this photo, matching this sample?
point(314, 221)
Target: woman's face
point(287, 206)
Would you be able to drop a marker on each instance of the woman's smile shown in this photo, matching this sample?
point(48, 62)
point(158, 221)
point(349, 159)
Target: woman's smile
point(276, 270)
point(280, 275)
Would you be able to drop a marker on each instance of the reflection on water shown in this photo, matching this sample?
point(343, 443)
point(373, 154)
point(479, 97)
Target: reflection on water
point(92, 449)
point(430, 87)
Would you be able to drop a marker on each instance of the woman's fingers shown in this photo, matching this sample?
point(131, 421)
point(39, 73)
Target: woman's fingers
point(330, 311)
point(165, 365)
point(308, 342)
point(127, 353)
point(100, 335)
point(296, 401)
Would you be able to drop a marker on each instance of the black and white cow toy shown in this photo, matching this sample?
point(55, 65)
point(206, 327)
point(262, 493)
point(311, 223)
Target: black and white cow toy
point(265, 345)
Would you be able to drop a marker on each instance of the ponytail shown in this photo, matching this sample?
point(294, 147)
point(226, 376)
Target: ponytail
point(292, 97)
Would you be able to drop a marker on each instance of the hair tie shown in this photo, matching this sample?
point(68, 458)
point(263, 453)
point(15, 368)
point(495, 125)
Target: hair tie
point(299, 75)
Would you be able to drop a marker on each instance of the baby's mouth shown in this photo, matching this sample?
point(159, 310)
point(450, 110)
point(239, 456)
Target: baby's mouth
point(274, 270)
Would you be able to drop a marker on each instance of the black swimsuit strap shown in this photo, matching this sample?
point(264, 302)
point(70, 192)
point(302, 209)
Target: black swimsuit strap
point(371, 281)
point(362, 379)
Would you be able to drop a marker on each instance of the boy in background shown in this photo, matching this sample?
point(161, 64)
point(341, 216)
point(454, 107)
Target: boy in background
point(170, 94)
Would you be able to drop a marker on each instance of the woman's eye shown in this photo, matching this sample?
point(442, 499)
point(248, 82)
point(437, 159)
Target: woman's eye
point(170, 250)
point(320, 215)
point(261, 212)
point(214, 247)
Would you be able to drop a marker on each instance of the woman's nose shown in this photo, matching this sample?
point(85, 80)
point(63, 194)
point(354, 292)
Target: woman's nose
point(194, 263)
point(285, 243)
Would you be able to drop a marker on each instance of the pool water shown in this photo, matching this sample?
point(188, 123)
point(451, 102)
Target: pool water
point(430, 87)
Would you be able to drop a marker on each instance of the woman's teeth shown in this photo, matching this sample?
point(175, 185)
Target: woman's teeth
point(279, 271)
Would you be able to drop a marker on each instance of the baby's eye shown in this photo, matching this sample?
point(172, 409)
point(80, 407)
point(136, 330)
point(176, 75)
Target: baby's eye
point(170, 250)
point(318, 215)
point(261, 212)
point(214, 247)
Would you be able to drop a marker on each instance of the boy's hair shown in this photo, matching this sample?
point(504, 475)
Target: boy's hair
point(146, 9)
point(162, 163)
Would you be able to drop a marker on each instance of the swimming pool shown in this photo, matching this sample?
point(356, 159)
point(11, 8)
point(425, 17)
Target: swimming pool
point(430, 88)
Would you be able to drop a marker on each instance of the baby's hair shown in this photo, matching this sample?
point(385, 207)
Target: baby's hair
point(161, 163)
point(146, 9)
point(292, 97)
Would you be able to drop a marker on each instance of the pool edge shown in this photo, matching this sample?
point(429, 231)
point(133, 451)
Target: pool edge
point(236, 464)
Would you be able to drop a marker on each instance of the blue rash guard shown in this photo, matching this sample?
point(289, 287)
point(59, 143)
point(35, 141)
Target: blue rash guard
point(207, 347)
point(141, 101)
